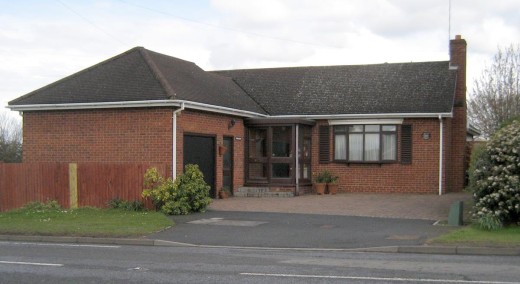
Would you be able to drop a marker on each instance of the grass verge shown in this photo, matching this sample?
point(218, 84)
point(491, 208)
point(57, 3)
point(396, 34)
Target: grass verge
point(473, 236)
point(84, 222)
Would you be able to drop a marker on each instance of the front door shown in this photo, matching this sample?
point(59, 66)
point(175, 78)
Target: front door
point(200, 150)
point(227, 167)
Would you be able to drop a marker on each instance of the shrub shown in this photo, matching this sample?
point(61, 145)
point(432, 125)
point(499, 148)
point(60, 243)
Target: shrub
point(188, 193)
point(477, 161)
point(497, 178)
point(118, 203)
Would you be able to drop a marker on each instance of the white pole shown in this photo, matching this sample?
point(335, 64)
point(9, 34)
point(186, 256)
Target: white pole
point(174, 142)
point(440, 153)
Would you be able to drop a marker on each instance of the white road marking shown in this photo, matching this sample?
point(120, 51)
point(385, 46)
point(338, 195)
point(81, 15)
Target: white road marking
point(31, 263)
point(376, 278)
point(60, 245)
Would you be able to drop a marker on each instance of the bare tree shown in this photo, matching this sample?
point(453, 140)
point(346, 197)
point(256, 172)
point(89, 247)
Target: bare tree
point(10, 138)
point(495, 98)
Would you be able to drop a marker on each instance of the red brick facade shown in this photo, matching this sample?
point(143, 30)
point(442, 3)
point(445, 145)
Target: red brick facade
point(216, 125)
point(126, 135)
point(103, 135)
point(421, 176)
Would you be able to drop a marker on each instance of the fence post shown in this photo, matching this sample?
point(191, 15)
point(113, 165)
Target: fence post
point(73, 185)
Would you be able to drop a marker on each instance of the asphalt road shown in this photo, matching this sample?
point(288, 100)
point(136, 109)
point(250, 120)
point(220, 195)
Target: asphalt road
point(67, 263)
point(283, 230)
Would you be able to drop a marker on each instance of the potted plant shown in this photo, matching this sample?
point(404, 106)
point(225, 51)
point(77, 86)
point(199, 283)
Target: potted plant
point(320, 181)
point(332, 185)
point(224, 193)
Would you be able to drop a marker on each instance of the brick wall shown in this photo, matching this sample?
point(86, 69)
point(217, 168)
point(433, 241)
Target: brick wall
point(458, 49)
point(104, 135)
point(421, 176)
point(214, 124)
point(125, 135)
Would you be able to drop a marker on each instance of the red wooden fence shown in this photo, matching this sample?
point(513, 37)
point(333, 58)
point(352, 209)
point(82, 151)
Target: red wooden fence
point(97, 183)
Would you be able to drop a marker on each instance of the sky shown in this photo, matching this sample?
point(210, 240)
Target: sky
point(44, 41)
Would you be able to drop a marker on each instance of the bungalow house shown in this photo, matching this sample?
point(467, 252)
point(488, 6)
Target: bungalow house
point(397, 127)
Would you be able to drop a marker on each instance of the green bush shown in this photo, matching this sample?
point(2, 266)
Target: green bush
point(497, 177)
point(118, 203)
point(477, 161)
point(188, 193)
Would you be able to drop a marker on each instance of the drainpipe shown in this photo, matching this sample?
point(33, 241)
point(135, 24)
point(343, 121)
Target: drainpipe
point(174, 143)
point(297, 171)
point(440, 153)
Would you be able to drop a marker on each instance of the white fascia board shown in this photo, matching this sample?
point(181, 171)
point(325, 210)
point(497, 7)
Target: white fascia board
point(365, 121)
point(368, 116)
point(137, 104)
point(219, 109)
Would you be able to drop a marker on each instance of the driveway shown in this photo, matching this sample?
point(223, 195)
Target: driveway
point(333, 222)
point(404, 206)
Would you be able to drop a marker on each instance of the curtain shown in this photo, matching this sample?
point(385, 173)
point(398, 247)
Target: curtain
point(371, 147)
point(355, 150)
point(340, 147)
point(389, 147)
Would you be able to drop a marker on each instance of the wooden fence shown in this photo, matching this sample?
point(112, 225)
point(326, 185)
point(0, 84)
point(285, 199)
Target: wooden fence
point(72, 184)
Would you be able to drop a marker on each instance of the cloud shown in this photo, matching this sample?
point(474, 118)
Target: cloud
point(44, 44)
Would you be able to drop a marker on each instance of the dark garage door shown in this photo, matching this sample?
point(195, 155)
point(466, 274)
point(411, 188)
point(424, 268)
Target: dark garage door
point(200, 150)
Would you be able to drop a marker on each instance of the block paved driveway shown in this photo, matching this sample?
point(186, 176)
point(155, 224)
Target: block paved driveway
point(407, 206)
point(334, 222)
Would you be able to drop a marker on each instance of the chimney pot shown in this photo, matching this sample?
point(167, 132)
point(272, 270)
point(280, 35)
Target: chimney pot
point(458, 37)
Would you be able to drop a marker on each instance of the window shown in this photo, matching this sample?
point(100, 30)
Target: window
point(365, 143)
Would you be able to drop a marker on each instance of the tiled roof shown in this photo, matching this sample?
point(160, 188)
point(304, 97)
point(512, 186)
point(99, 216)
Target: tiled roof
point(426, 87)
point(143, 75)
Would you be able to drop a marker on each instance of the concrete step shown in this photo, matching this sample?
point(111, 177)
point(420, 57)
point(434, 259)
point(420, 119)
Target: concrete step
point(260, 192)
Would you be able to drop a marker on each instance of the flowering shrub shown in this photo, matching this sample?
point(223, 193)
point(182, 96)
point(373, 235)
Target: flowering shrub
point(188, 193)
point(497, 179)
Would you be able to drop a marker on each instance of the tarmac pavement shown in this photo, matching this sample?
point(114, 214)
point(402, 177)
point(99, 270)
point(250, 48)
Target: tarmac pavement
point(286, 230)
point(342, 222)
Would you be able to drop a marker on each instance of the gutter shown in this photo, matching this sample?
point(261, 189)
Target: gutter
point(138, 104)
point(367, 116)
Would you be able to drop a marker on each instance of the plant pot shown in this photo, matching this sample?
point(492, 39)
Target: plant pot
point(332, 187)
point(223, 194)
point(320, 188)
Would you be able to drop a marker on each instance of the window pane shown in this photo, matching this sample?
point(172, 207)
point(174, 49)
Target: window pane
point(371, 128)
point(355, 147)
point(355, 128)
point(340, 128)
point(340, 147)
point(281, 170)
point(371, 147)
point(257, 171)
point(389, 147)
point(257, 138)
point(306, 148)
point(282, 141)
point(306, 171)
point(389, 128)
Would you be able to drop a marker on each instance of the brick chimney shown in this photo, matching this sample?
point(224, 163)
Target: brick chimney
point(456, 168)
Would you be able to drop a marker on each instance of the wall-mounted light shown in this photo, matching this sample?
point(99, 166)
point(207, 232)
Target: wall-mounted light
point(426, 135)
point(231, 123)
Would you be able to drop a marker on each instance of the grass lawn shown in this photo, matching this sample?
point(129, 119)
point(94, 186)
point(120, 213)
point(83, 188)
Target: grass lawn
point(473, 236)
point(85, 222)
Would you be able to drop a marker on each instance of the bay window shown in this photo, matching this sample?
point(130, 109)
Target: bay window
point(369, 143)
